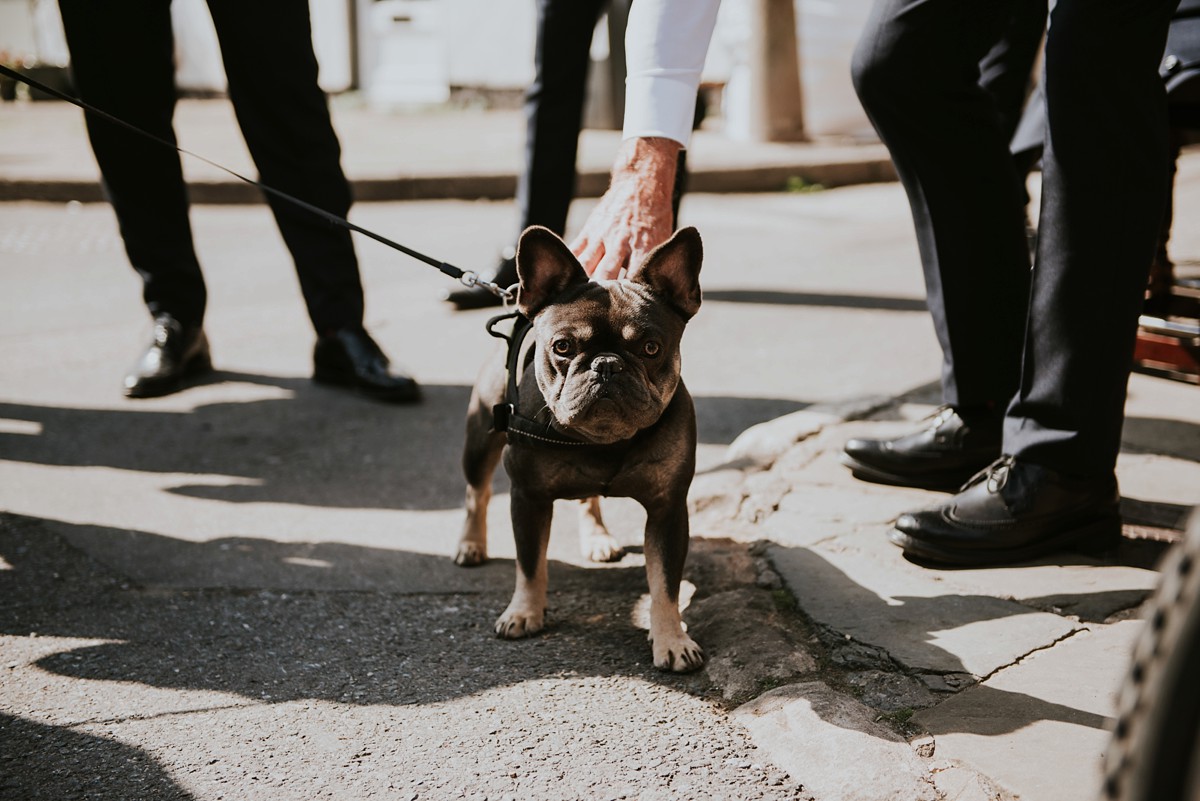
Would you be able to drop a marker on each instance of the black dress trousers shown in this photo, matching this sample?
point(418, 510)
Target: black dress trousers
point(122, 58)
point(1053, 344)
point(554, 105)
point(554, 110)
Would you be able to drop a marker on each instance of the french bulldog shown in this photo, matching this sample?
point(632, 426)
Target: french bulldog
point(603, 412)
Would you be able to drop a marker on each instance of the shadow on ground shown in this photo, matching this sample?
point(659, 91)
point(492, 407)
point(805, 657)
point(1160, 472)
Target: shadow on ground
point(379, 638)
point(319, 447)
point(784, 298)
point(891, 652)
point(280, 634)
point(416, 630)
point(53, 762)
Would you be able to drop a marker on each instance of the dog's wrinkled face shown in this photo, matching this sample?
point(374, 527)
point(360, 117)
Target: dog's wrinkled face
point(606, 363)
point(607, 358)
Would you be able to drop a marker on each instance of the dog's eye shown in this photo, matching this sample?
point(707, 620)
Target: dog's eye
point(562, 347)
point(651, 348)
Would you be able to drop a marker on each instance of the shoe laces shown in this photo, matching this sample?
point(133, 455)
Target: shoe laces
point(995, 474)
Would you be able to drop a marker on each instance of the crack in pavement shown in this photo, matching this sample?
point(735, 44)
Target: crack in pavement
point(1033, 651)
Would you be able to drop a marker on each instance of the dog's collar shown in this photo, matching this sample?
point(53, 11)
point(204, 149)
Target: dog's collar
point(519, 428)
point(526, 430)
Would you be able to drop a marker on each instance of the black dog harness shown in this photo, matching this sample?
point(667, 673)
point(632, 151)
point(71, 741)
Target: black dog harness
point(505, 417)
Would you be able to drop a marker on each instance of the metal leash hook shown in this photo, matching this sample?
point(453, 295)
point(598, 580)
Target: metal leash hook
point(510, 296)
point(470, 278)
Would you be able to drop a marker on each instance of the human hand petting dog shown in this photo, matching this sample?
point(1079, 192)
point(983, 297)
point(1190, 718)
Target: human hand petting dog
point(634, 216)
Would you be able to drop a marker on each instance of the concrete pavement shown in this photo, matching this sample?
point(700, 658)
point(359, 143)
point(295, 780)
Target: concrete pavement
point(463, 153)
point(245, 589)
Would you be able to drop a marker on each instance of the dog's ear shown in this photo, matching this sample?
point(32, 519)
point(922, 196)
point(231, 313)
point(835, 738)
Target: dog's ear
point(673, 270)
point(546, 268)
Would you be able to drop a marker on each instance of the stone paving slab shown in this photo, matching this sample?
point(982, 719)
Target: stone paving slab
point(918, 621)
point(847, 503)
point(1040, 727)
point(837, 744)
point(1049, 639)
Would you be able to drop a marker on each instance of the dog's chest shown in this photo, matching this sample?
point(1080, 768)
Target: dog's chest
point(646, 471)
point(570, 472)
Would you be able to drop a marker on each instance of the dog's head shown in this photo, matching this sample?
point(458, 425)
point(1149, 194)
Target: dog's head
point(607, 358)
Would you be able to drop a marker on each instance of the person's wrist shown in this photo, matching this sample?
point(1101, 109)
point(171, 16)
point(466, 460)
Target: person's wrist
point(648, 156)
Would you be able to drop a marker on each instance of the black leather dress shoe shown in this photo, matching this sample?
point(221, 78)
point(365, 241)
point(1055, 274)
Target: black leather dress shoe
point(176, 354)
point(1010, 512)
point(350, 358)
point(476, 297)
point(942, 456)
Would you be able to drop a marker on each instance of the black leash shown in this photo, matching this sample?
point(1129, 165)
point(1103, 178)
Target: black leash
point(467, 277)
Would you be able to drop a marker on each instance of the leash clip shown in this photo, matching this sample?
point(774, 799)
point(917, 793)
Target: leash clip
point(470, 279)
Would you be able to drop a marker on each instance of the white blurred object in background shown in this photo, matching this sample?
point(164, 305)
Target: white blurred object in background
point(414, 64)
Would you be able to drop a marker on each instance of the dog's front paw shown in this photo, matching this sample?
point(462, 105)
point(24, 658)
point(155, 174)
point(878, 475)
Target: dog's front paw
point(678, 653)
point(470, 554)
point(518, 622)
point(601, 548)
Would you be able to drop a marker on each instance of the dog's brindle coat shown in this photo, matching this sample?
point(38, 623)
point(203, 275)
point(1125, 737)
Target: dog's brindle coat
point(605, 373)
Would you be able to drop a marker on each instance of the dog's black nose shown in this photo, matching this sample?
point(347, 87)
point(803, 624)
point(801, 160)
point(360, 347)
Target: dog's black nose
point(606, 364)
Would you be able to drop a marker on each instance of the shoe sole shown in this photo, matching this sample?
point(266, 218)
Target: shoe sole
point(942, 482)
point(1099, 534)
point(201, 365)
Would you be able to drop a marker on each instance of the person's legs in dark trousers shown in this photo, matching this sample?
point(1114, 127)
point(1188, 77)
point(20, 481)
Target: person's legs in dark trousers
point(553, 120)
point(1007, 69)
point(1103, 189)
point(122, 60)
point(917, 73)
point(916, 70)
point(1105, 180)
point(554, 110)
point(284, 116)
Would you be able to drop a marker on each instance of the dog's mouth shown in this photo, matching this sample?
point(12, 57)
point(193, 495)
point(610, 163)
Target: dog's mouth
point(607, 411)
point(614, 397)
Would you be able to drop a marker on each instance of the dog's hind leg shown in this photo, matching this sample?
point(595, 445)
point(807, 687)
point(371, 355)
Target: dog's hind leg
point(481, 454)
point(531, 529)
point(595, 543)
point(666, 552)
